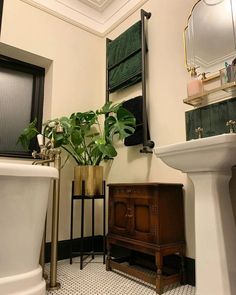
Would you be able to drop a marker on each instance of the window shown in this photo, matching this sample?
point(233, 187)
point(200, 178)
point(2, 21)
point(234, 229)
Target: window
point(21, 101)
point(1, 8)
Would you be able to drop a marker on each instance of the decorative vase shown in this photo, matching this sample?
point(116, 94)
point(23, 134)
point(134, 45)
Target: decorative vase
point(93, 178)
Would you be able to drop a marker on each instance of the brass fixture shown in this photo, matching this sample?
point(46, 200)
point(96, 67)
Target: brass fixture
point(199, 131)
point(231, 124)
point(49, 154)
point(59, 128)
point(203, 76)
point(42, 253)
point(193, 71)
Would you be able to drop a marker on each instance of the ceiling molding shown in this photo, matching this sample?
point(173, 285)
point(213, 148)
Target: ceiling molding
point(100, 5)
point(95, 16)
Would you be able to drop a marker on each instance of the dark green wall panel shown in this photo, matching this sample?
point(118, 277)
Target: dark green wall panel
point(211, 118)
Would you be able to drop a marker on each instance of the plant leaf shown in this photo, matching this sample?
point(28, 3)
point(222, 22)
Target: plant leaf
point(123, 124)
point(109, 107)
point(76, 137)
point(28, 133)
point(107, 150)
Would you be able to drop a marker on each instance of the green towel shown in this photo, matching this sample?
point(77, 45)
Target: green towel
point(125, 58)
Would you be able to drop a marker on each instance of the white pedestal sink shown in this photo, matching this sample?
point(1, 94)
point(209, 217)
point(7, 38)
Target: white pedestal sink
point(208, 163)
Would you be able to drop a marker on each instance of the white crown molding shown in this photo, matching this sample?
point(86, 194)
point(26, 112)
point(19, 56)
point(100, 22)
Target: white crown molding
point(96, 16)
point(214, 62)
point(100, 5)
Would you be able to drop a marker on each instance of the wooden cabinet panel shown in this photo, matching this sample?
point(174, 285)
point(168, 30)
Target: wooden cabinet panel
point(144, 223)
point(119, 223)
point(132, 212)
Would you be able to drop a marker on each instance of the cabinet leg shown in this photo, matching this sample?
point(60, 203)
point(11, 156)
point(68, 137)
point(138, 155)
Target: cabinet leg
point(93, 228)
point(159, 279)
point(82, 235)
point(183, 272)
point(104, 222)
point(108, 259)
point(71, 225)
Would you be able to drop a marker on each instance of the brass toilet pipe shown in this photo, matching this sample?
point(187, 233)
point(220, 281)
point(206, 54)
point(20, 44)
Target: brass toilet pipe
point(50, 154)
point(53, 284)
point(42, 253)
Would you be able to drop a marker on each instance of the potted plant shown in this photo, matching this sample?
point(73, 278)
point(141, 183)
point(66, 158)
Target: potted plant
point(89, 138)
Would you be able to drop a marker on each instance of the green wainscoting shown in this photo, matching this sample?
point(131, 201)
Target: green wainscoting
point(211, 118)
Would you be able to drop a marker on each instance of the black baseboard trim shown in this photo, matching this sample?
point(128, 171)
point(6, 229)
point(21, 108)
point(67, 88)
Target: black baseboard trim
point(190, 271)
point(64, 253)
point(64, 247)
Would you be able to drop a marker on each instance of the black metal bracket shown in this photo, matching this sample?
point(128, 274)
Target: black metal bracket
point(148, 145)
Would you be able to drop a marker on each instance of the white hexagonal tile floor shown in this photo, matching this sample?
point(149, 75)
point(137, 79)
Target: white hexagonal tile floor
point(95, 280)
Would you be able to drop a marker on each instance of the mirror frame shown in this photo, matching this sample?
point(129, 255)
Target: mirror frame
point(213, 76)
point(184, 35)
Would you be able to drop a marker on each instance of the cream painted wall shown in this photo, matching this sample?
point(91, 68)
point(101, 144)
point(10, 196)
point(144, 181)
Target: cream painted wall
point(75, 80)
point(74, 61)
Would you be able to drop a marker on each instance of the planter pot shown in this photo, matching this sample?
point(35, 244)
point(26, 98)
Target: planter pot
point(93, 177)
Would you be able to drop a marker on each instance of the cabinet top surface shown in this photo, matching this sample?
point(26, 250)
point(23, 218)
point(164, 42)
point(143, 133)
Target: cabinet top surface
point(144, 184)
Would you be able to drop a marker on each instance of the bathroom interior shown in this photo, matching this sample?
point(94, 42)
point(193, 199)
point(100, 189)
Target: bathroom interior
point(54, 56)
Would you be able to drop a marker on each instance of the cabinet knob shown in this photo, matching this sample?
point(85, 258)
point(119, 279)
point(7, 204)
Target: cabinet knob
point(128, 214)
point(231, 125)
point(199, 131)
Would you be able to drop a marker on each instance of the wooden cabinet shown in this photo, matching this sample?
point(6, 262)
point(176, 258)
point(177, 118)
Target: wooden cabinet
point(148, 218)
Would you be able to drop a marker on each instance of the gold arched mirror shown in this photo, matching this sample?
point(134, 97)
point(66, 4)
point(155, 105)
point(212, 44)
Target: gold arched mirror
point(209, 36)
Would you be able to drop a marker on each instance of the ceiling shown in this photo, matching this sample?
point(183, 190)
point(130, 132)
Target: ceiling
point(96, 16)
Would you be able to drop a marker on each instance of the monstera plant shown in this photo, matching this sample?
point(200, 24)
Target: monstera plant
point(88, 137)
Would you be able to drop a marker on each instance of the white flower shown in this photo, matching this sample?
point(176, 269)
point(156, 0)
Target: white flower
point(52, 124)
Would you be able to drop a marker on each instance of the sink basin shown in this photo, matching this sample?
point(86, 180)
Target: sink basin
point(208, 163)
point(206, 154)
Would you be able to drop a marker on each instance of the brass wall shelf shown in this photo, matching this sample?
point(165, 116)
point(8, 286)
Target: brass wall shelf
point(225, 91)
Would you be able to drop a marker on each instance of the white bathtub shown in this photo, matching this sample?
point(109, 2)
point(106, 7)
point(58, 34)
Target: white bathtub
point(24, 191)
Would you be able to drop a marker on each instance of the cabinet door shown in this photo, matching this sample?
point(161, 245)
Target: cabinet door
point(119, 210)
point(143, 205)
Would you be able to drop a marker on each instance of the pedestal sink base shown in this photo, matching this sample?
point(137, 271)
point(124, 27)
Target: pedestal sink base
point(215, 234)
point(208, 163)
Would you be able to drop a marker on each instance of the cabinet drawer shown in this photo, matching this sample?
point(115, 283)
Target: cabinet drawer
point(131, 192)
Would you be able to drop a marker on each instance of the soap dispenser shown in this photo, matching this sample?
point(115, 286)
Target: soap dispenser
point(195, 85)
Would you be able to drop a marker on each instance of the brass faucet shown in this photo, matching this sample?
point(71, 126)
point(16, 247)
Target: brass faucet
point(231, 124)
point(199, 131)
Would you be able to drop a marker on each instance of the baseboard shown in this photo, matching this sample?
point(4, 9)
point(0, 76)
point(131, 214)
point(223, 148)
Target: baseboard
point(190, 271)
point(64, 247)
point(64, 253)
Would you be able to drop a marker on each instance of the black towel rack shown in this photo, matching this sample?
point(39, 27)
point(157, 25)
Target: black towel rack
point(148, 145)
